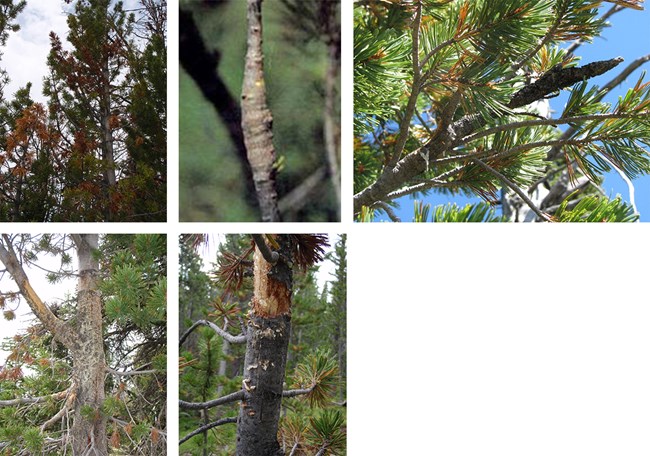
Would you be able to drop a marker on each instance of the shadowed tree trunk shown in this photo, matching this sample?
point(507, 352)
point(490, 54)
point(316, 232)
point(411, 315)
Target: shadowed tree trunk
point(266, 353)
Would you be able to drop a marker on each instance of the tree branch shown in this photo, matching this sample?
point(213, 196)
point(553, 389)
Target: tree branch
point(207, 427)
point(232, 397)
point(514, 188)
point(35, 400)
point(51, 322)
point(131, 372)
point(269, 255)
point(239, 339)
point(66, 406)
point(201, 65)
point(257, 119)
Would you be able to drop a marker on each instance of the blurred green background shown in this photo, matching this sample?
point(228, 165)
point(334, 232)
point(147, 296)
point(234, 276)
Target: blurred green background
point(212, 185)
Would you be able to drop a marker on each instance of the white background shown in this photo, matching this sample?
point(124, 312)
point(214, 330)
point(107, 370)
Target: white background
point(467, 340)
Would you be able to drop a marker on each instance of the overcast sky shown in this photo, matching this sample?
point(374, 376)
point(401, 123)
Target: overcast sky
point(50, 293)
point(25, 55)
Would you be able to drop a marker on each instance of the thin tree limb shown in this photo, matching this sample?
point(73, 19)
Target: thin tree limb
point(69, 403)
point(269, 255)
point(415, 89)
point(239, 339)
point(514, 188)
point(207, 427)
point(232, 397)
point(34, 400)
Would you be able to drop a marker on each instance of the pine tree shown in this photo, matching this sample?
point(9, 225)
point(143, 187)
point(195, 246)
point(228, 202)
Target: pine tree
point(270, 331)
point(450, 98)
point(92, 367)
point(107, 98)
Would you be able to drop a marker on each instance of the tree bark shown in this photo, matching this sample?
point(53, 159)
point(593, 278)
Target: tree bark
point(331, 132)
point(88, 431)
point(257, 119)
point(269, 329)
point(83, 337)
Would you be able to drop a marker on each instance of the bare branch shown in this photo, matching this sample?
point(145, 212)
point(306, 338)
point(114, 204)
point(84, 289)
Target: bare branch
point(257, 119)
point(35, 400)
point(207, 427)
point(232, 397)
point(240, 339)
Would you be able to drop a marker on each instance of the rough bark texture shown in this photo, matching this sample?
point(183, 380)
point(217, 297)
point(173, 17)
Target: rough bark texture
point(257, 119)
point(269, 329)
point(82, 336)
point(88, 432)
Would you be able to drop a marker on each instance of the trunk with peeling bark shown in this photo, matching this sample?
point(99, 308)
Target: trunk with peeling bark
point(89, 366)
point(81, 335)
point(269, 329)
point(257, 119)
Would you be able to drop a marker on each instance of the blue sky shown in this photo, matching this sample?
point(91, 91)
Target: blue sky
point(627, 37)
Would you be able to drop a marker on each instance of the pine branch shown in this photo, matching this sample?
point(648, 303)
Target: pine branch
point(514, 188)
point(555, 151)
point(415, 89)
point(207, 427)
point(232, 397)
point(553, 122)
point(239, 339)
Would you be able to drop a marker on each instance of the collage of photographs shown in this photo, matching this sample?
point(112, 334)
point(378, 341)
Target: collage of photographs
point(180, 182)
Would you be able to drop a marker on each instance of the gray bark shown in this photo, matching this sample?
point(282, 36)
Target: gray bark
point(88, 431)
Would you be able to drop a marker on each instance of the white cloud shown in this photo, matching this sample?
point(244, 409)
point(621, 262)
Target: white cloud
point(25, 55)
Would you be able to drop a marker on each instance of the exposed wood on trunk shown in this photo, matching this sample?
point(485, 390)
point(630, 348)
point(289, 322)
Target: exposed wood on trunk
point(88, 432)
point(268, 333)
point(257, 119)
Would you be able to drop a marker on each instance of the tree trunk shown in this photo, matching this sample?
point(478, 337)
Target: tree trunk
point(89, 366)
point(266, 354)
point(331, 131)
point(82, 335)
point(257, 118)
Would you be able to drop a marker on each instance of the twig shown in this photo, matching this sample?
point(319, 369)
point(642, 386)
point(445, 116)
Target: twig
point(239, 339)
point(514, 188)
point(389, 211)
point(206, 427)
point(415, 89)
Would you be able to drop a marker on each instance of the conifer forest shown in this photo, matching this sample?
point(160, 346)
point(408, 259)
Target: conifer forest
point(263, 346)
point(94, 148)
